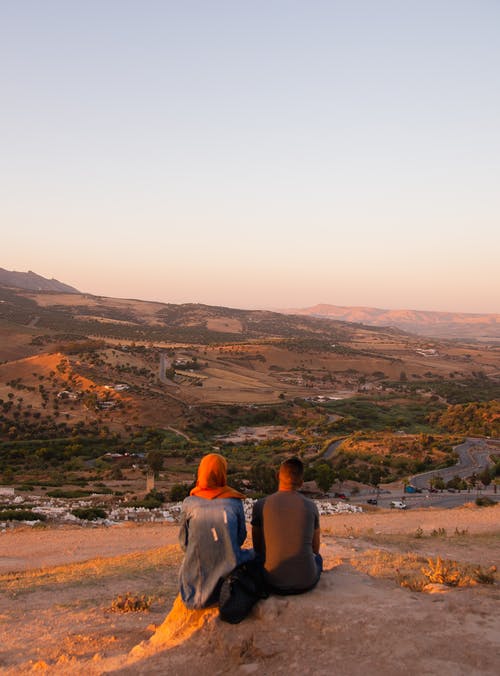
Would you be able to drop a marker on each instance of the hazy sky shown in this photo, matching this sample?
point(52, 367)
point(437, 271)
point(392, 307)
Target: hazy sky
point(254, 154)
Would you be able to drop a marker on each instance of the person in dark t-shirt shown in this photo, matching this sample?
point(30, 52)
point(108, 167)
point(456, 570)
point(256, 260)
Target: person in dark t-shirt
point(285, 532)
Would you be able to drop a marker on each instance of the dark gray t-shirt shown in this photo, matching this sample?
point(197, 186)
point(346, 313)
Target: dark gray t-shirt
point(288, 521)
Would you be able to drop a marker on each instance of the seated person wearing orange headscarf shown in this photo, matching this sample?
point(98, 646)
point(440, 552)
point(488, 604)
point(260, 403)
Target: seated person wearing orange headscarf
point(211, 534)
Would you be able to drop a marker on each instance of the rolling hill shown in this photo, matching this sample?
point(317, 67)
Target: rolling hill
point(215, 355)
point(82, 376)
point(448, 325)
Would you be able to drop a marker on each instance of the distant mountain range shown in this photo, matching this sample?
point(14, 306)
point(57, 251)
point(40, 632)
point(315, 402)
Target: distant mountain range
point(427, 323)
point(441, 325)
point(33, 282)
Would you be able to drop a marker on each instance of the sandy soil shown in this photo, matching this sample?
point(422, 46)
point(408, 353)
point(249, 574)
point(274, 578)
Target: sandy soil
point(24, 548)
point(57, 587)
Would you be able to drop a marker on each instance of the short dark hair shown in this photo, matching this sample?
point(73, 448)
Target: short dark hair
point(293, 471)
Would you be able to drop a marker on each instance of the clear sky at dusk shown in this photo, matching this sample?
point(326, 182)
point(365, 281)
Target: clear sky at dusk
point(255, 154)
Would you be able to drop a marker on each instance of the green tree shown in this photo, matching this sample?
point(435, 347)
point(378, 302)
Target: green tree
point(324, 477)
point(438, 483)
point(178, 492)
point(154, 460)
point(263, 478)
point(485, 477)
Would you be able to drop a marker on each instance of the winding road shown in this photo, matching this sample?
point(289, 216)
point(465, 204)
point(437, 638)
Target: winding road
point(474, 456)
point(332, 448)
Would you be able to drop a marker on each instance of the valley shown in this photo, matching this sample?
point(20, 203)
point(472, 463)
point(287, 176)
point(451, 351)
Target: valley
point(97, 393)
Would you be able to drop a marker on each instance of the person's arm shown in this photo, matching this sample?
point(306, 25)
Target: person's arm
point(258, 539)
point(257, 530)
point(316, 541)
point(183, 532)
point(316, 532)
point(242, 527)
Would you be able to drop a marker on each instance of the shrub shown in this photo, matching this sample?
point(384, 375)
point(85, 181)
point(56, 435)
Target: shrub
point(442, 571)
point(411, 582)
point(89, 513)
point(151, 500)
point(485, 502)
point(485, 576)
point(131, 603)
point(58, 493)
point(21, 515)
point(438, 533)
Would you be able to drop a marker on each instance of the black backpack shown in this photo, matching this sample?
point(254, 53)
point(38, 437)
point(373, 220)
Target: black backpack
point(241, 590)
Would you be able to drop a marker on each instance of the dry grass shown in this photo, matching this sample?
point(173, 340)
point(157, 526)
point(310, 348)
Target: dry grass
point(419, 537)
point(88, 572)
point(409, 570)
point(131, 603)
point(380, 563)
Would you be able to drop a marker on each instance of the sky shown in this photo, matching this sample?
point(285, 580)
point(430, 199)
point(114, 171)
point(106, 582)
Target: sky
point(265, 154)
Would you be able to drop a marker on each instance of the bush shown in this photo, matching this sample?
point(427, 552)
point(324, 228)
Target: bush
point(485, 576)
point(485, 502)
point(152, 500)
point(21, 515)
point(438, 533)
point(442, 571)
point(58, 493)
point(89, 513)
point(131, 604)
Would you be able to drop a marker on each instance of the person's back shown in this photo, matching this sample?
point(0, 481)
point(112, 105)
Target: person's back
point(211, 534)
point(285, 529)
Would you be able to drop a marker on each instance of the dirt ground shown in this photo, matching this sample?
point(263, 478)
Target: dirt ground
point(57, 588)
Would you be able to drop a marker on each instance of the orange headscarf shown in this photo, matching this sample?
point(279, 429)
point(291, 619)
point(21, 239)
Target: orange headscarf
point(211, 482)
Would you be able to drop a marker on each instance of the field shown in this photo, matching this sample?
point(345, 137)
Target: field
point(58, 589)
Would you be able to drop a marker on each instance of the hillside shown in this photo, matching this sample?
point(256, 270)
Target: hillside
point(31, 281)
point(444, 325)
point(214, 354)
point(85, 377)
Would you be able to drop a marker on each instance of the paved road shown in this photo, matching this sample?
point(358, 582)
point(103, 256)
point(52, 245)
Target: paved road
point(425, 499)
point(332, 448)
point(474, 456)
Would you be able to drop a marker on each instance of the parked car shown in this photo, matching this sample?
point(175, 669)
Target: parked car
point(372, 501)
point(398, 504)
point(341, 496)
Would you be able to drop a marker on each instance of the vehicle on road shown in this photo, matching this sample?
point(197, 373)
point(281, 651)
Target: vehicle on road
point(398, 504)
point(372, 501)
